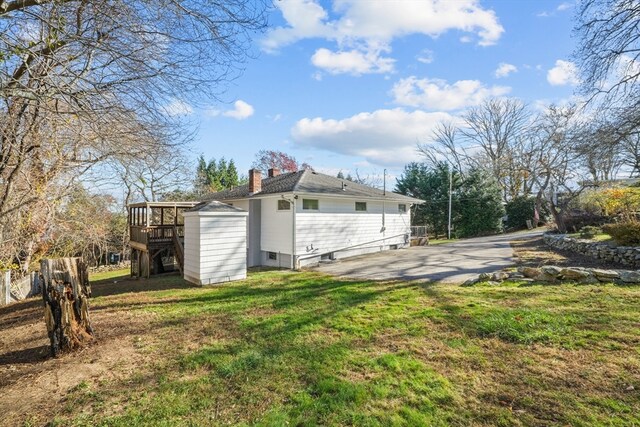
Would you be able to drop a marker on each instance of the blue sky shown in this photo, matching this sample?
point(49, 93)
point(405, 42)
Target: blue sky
point(356, 84)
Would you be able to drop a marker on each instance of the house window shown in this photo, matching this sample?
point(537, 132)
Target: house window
point(284, 205)
point(310, 204)
point(272, 255)
point(402, 208)
point(361, 206)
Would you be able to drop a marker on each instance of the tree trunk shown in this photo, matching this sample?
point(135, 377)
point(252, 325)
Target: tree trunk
point(66, 291)
point(558, 217)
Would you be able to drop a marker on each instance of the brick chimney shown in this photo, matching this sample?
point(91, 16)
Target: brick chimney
point(255, 181)
point(274, 172)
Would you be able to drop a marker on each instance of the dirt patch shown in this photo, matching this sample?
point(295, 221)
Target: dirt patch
point(31, 382)
point(535, 253)
point(130, 343)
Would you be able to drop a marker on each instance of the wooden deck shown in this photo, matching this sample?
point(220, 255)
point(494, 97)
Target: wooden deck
point(156, 233)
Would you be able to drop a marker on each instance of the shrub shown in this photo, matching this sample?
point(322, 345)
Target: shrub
point(624, 233)
point(521, 209)
point(577, 220)
point(589, 232)
point(617, 202)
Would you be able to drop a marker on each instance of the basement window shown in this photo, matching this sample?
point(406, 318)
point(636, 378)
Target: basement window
point(402, 208)
point(361, 206)
point(284, 205)
point(272, 255)
point(310, 204)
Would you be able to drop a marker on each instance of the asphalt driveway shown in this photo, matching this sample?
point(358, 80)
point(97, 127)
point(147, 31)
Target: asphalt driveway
point(451, 262)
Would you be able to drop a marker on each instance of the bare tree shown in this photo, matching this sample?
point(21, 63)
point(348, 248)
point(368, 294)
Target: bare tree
point(489, 137)
point(445, 145)
point(609, 50)
point(83, 81)
point(556, 163)
point(630, 153)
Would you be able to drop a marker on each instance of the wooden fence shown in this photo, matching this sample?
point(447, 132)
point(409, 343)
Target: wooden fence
point(14, 289)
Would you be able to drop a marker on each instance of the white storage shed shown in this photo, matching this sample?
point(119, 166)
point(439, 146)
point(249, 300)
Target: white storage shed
point(215, 243)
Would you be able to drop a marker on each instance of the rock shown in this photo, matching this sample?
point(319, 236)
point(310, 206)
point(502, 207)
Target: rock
point(470, 282)
point(589, 280)
point(516, 275)
point(605, 275)
point(530, 271)
point(630, 388)
point(574, 274)
point(484, 277)
point(545, 277)
point(492, 283)
point(630, 276)
point(499, 276)
point(551, 269)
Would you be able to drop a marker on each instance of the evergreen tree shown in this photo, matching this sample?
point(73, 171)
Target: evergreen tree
point(212, 173)
point(215, 175)
point(201, 183)
point(481, 209)
point(232, 175)
point(431, 185)
point(221, 178)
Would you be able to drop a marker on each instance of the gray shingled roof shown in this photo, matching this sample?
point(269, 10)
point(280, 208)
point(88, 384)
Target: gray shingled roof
point(310, 182)
point(214, 206)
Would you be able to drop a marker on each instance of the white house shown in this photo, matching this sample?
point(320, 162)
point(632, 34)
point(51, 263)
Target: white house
point(297, 219)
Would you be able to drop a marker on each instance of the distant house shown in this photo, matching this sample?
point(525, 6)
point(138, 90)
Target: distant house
point(300, 218)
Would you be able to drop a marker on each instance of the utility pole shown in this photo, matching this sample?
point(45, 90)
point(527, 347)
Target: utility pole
point(450, 190)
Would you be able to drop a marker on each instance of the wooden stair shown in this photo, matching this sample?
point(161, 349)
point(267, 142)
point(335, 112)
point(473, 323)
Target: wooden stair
point(178, 249)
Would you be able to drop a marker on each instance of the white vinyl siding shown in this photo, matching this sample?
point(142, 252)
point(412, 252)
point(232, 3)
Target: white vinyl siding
point(337, 226)
point(215, 247)
point(276, 227)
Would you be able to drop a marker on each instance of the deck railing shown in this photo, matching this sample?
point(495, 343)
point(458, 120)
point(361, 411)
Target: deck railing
point(155, 233)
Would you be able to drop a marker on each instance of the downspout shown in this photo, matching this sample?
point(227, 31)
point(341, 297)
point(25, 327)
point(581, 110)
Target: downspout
point(384, 195)
point(293, 236)
point(293, 229)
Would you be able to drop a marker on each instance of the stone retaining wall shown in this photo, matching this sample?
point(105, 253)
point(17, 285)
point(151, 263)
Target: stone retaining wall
point(625, 255)
point(554, 274)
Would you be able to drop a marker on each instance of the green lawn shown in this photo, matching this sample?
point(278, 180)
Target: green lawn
point(306, 349)
point(601, 237)
point(433, 242)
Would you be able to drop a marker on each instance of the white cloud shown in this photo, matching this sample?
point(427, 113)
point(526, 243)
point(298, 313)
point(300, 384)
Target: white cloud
point(364, 27)
point(564, 6)
point(564, 73)
point(383, 137)
point(560, 8)
point(352, 62)
point(425, 56)
point(178, 108)
point(505, 69)
point(241, 111)
point(305, 19)
point(437, 94)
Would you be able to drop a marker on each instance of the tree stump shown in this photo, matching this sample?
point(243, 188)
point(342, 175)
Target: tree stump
point(66, 291)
